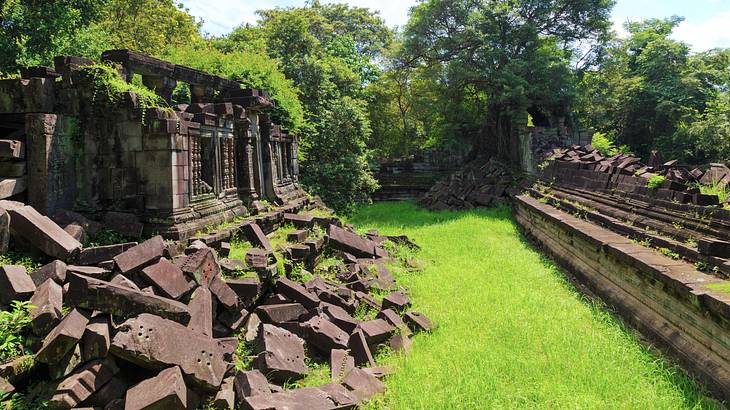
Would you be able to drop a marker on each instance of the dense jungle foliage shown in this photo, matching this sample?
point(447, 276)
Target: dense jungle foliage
point(459, 74)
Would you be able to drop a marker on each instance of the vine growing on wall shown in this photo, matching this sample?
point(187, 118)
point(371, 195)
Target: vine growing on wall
point(109, 86)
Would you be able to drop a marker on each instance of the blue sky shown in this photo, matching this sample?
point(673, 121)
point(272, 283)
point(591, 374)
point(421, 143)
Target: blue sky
point(707, 23)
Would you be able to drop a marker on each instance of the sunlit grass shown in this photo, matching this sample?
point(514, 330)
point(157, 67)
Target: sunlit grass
point(512, 332)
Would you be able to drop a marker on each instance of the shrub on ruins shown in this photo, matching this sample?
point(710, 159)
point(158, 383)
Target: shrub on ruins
point(13, 323)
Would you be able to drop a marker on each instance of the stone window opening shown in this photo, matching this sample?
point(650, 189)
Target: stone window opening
point(216, 152)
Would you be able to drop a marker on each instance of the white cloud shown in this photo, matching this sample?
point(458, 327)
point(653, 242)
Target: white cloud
point(704, 35)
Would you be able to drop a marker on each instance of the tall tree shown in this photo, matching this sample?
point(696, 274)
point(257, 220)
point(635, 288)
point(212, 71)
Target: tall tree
point(513, 54)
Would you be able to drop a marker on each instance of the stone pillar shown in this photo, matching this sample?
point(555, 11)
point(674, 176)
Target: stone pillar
point(245, 162)
point(51, 168)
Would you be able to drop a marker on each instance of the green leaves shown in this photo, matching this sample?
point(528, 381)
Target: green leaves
point(12, 325)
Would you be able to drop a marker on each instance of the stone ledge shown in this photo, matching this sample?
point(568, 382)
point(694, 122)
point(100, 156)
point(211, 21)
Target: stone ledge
point(668, 301)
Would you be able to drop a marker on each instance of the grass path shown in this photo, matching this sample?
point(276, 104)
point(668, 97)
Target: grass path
point(512, 332)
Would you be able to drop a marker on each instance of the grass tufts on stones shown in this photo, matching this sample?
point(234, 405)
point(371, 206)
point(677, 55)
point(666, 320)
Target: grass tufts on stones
point(513, 333)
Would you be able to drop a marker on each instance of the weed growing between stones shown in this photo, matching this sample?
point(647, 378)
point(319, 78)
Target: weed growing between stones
point(13, 325)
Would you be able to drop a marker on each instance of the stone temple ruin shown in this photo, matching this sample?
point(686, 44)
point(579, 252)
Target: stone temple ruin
point(175, 171)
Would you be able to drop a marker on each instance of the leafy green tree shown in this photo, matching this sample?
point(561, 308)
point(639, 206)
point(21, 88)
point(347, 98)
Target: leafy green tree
point(507, 57)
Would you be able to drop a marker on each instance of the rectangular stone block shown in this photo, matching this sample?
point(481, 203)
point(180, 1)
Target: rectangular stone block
point(48, 302)
point(167, 390)
point(81, 384)
point(168, 279)
point(97, 254)
point(121, 301)
point(42, 233)
point(140, 256)
point(63, 337)
point(15, 284)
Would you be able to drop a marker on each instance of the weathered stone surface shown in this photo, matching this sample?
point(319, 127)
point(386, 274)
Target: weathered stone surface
point(11, 149)
point(122, 280)
point(363, 385)
point(201, 311)
point(223, 293)
point(4, 230)
point(114, 389)
point(397, 301)
point(299, 220)
point(342, 397)
point(400, 343)
point(376, 330)
point(286, 312)
point(360, 349)
point(307, 398)
point(82, 383)
point(225, 249)
point(125, 223)
point(66, 364)
point(10, 187)
point(76, 231)
point(250, 383)
point(257, 258)
point(232, 265)
point(97, 254)
point(91, 271)
point(297, 293)
point(96, 339)
point(351, 242)
point(282, 356)
point(121, 301)
point(341, 362)
point(168, 279)
point(247, 289)
point(42, 233)
point(225, 399)
point(325, 335)
point(202, 266)
point(15, 284)
point(153, 342)
point(233, 318)
point(55, 270)
point(63, 337)
point(300, 235)
point(256, 236)
point(65, 217)
point(340, 317)
point(140, 256)
point(167, 390)
point(252, 325)
point(417, 321)
point(48, 302)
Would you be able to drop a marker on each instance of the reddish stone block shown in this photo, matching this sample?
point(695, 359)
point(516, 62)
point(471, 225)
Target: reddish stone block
point(168, 279)
point(15, 284)
point(135, 259)
point(167, 390)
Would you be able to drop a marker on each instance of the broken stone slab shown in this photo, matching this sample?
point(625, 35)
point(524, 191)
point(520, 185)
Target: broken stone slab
point(121, 301)
point(297, 293)
point(342, 397)
point(201, 311)
point(78, 386)
point(167, 390)
point(202, 266)
point(247, 289)
point(360, 349)
point(298, 252)
point(55, 270)
point(250, 383)
point(340, 317)
point(15, 284)
point(66, 364)
point(299, 220)
point(380, 371)
point(65, 217)
point(390, 316)
point(400, 343)
point(325, 335)
point(300, 235)
point(228, 346)
point(397, 301)
point(96, 339)
point(376, 330)
point(225, 249)
point(122, 280)
point(341, 362)
point(112, 390)
point(233, 319)
point(362, 384)
point(63, 337)
point(257, 258)
point(714, 247)
point(256, 236)
point(138, 257)
point(42, 233)
point(9, 187)
point(91, 271)
point(97, 254)
point(417, 322)
point(351, 242)
point(282, 354)
point(223, 293)
point(167, 278)
point(252, 325)
point(285, 312)
point(225, 399)
point(232, 265)
point(76, 231)
point(152, 342)
point(306, 398)
point(47, 302)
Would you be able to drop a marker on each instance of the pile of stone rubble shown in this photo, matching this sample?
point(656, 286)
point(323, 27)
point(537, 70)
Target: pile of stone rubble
point(162, 325)
point(679, 183)
point(477, 184)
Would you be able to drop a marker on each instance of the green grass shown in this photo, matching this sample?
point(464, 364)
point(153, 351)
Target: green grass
point(722, 287)
point(512, 332)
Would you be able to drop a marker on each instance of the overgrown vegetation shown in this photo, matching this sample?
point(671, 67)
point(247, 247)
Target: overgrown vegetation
point(512, 331)
point(655, 181)
point(13, 323)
